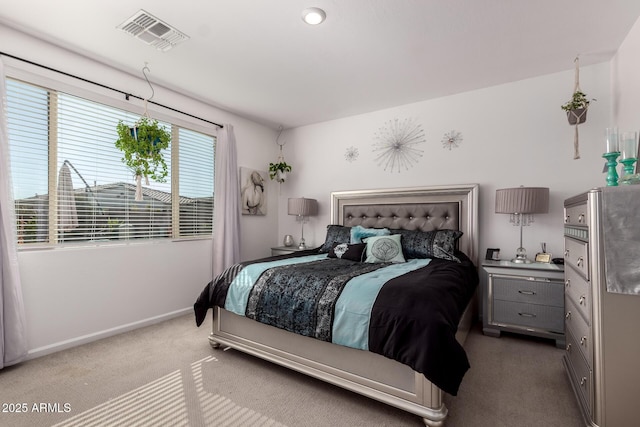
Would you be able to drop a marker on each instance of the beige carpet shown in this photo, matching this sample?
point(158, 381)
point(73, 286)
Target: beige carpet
point(168, 375)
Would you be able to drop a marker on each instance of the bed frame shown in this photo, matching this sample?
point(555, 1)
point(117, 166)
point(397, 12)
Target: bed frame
point(366, 373)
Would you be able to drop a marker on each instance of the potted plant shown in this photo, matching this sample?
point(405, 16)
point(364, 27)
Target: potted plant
point(576, 107)
point(279, 170)
point(142, 146)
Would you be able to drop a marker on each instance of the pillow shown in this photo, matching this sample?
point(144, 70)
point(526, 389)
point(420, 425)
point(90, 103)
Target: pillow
point(429, 244)
point(359, 233)
point(384, 249)
point(335, 233)
point(353, 252)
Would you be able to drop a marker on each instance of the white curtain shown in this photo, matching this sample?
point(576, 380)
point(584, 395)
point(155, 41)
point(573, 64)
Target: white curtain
point(226, 210)
point(13, 341)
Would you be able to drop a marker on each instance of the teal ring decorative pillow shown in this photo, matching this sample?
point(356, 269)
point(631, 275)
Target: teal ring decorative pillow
point(384, 249)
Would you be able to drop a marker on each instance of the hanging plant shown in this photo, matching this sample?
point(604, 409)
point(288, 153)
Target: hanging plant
point(142, 146)
point(576, 107)
point(280, 168)
point(278, 171)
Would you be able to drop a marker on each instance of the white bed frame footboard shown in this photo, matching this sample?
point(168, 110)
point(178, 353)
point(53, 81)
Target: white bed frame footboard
point(363, 372)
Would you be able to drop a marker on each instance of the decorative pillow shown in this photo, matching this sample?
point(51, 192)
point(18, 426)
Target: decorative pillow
point(359, 233)
point(429, 244)
point(335, 233)
point(352, 252)
point(384, 249)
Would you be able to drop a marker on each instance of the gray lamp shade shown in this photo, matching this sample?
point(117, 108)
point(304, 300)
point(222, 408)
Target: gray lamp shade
point(303, 207)
point(522, 200)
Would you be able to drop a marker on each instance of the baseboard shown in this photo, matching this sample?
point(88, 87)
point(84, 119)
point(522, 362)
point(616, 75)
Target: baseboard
point(63, 345)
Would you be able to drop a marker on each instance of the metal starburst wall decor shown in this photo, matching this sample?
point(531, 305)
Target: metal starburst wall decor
point(451, 140)
point(395, 143)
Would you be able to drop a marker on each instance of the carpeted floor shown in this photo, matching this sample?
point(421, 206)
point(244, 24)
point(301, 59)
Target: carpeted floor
point(168, 375)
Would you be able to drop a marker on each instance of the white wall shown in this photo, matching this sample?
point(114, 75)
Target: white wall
point(77, 295)
point(514, 134)
point(625, 69)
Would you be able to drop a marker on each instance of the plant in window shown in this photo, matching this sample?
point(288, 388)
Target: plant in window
point(142, 147)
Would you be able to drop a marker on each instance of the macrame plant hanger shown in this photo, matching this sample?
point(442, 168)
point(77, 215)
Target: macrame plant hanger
point(578, 117)
point(145, 114)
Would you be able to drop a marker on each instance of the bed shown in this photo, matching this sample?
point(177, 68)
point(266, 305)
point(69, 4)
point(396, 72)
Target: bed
point(387, 369)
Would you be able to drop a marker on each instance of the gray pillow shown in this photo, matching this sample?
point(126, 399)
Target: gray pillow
point(335, 234)
point(429, 244)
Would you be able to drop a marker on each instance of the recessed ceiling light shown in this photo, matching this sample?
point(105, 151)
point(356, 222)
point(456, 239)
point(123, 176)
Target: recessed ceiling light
point(313, 16)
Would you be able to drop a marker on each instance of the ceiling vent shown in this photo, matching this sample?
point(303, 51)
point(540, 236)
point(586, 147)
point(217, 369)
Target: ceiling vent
point(152, 31)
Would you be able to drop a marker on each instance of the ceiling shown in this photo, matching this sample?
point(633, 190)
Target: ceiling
point(258, 59)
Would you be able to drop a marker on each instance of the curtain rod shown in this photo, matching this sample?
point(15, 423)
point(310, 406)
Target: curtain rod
point(126, 95)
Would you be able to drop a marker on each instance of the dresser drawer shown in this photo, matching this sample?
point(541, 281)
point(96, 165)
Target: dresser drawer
point(581, 373)
point(578, 291)
point(528, 290)
point(580, 331)
point(576, 256)
point(576, 215)
point(542, 317)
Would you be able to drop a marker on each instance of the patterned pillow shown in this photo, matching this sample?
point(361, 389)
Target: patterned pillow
point(359, 233)
point(352, 252)
point(429, 244)
point(335, 233)
point(384, 249)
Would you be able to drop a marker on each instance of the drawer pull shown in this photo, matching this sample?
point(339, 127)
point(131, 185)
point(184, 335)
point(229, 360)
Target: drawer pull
point(568, 315)
point(582, 300)
point(526, 314)
point(580, 218)
point(568, 348)
point(567, 218)
point(583, 381)
point(526, 292)
point(567, 283)
point(566, 253)
point(583, 341)
point(580, 262)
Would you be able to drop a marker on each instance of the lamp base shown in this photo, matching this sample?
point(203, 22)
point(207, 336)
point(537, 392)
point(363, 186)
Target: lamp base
point(521, 261)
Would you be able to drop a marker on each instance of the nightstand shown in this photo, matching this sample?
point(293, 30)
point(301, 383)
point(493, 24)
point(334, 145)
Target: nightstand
point(523, 298)
point(284, 250)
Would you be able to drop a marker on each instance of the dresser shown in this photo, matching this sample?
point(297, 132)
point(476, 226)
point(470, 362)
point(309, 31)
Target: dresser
point(523, 298)
point(602, 326)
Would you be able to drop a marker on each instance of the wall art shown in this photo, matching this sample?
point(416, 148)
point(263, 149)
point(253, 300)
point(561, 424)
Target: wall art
point(396, 143)
point(253, 192)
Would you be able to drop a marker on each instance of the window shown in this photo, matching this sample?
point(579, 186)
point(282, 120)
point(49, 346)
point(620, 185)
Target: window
point(70, 185)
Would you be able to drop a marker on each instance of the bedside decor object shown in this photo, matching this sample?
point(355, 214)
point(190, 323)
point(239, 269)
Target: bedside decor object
point(288, 240)
point(302, 208)
point(521, 203)
point(613, 151)
point(493, 254)
point(396, 141)
point(576, 108)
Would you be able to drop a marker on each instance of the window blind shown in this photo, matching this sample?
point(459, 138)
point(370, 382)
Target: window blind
point(71, 186)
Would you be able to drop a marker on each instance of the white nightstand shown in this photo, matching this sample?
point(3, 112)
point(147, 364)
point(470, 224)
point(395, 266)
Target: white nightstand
point(523, 298)
point(284, 250)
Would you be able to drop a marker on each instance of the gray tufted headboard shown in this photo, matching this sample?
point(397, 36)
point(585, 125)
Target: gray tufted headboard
point(421, 208)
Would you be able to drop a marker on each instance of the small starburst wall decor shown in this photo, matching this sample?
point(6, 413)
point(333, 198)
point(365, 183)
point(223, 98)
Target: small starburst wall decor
point(451, 140)
point(351, 154)
point(395, 143)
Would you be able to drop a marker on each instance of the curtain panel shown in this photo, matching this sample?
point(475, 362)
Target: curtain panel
point(13, 342)
point(226, 209)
